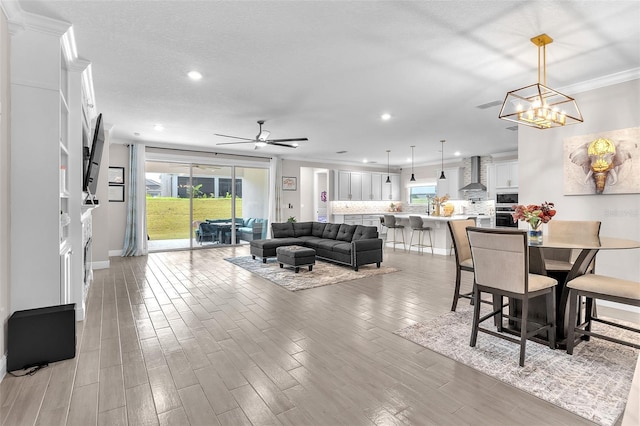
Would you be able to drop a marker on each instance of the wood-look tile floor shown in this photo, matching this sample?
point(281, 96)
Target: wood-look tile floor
point(181, 338)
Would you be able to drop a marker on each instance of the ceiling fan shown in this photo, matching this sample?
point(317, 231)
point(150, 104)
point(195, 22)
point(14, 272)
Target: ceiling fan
point(262, 139)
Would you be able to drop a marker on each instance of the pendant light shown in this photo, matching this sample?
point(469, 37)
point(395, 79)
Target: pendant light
point(537, 105)
point(413, 177)
point(442, 176)
point(388, 168)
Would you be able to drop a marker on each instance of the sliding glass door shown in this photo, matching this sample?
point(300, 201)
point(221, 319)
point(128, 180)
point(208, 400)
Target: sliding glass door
point(197, 205)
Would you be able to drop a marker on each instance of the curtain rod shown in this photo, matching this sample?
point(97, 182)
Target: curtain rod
point(209, 152)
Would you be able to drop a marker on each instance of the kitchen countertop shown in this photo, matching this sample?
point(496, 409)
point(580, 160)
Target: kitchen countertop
point(442, 218)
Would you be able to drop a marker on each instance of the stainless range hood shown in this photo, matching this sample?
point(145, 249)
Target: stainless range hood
point(475, 184)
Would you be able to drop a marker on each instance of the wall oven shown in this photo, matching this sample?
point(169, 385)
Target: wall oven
point(504, 207)
point(507, 199)
point(504, 218)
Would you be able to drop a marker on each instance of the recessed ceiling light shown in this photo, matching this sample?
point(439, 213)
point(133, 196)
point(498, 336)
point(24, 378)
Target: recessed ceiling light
point(457, 153)
point(158, 127)
point(386, 116)
point(365, 161)
point(194, 75)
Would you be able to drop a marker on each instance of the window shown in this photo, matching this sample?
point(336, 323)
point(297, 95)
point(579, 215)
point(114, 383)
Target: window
point(419, 194)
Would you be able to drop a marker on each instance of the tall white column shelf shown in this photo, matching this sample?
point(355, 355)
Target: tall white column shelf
point(48, 109)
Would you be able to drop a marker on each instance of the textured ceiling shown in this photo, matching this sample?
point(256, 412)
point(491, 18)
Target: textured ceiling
point(327, 70)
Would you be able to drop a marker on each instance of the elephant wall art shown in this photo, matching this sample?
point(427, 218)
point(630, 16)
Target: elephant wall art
point(603, 163)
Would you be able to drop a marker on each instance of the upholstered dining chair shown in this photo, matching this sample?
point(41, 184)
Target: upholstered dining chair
point(593, 286)
point(460, 242)
point(501, 268)
point(391, 223)
point(561, 260)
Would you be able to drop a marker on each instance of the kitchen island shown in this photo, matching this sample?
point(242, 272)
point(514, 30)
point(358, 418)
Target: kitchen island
point(440, 234)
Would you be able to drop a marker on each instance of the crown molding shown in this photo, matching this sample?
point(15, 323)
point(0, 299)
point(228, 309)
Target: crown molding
point(19, 20)
point(604, 81)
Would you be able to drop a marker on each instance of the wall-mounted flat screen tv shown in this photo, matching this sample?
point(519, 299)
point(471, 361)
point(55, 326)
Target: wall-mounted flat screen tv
point(93, 166)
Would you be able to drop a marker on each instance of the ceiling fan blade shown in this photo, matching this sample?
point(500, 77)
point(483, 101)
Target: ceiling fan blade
point(234, 143)
point(287, 140)
point(234, 137)
point(282, 144)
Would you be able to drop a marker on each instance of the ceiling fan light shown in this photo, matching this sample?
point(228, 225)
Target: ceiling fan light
point(264, 135)
point(261, 144)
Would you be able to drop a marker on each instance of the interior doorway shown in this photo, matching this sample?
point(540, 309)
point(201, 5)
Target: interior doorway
point(314, 194)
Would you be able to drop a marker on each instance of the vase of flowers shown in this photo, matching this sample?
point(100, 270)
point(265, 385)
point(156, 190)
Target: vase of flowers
point(438, 203)
point(535, 215)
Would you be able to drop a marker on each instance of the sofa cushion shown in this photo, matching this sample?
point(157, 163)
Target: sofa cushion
point(365, 232)
point(317, 229)
point(302, 228)
point(344, 248)
point(327, 244)
point(282, 230)
point(345, 233)
point(249, 222)
point(331, 230)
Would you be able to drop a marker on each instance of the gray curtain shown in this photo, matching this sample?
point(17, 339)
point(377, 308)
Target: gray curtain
point(135, 238)
point(275, 176)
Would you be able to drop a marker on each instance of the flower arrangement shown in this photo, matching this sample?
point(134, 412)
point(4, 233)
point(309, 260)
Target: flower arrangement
point(534, 214)
point(439, 202)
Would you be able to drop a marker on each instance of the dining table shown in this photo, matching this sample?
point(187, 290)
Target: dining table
point(588, 247)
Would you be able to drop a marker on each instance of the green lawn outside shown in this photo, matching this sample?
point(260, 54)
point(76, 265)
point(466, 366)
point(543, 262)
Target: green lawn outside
point(168, 218)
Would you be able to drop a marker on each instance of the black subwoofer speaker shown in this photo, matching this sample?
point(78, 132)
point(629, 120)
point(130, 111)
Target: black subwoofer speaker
point(40, 336)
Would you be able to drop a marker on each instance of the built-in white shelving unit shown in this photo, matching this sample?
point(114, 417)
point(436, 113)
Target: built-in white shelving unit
point(50, 119)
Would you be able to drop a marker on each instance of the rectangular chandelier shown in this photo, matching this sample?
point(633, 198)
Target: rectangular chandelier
point(538, 105)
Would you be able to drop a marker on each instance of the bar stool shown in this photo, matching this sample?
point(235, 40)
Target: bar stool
point(416, 224)
point(390, 223)
point(383, 232)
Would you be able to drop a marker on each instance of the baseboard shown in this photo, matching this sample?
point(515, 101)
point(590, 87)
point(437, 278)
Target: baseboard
point(3, 366)
point(114, 253)
point(100, 265)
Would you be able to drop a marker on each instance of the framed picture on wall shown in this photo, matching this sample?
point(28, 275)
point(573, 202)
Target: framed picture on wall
point(602, 163)
point(289, 183)
point(116, 193)
point(116, 175)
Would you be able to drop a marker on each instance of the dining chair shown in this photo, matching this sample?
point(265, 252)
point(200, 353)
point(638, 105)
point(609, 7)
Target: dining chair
point(501, 268)
point(462, 251)
point(561, 260)
point(417, 225)
point(592, 287)
point(391, 223)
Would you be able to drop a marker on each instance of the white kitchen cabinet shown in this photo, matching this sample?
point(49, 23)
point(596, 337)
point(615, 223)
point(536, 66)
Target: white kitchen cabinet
point(506, 175)
point(349, 186)
point(376, 186)
point(391, 191)
point(371, 220)
point(452, 184)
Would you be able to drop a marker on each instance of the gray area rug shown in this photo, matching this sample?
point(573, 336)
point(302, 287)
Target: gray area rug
point(324, 273)
point(594, 382)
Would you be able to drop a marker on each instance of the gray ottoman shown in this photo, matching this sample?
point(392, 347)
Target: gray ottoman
point(296, 256)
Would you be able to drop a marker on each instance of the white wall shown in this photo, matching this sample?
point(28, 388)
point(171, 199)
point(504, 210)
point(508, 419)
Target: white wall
point(540, 154)
point(117, 212)
point(100, 217)
point(4, 188)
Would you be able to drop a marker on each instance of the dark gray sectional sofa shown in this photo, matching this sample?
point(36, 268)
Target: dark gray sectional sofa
point(352, 245)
